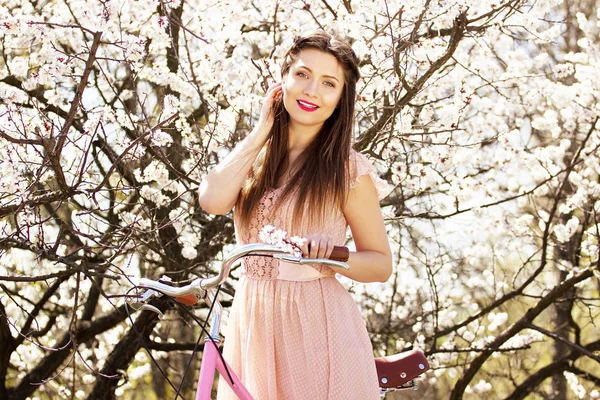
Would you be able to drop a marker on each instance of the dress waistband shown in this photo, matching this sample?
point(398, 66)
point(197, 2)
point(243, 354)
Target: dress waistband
point(271, 269)
point(297, 272)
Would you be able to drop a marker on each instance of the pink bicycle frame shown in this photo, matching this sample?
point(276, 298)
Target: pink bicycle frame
point(211, 360)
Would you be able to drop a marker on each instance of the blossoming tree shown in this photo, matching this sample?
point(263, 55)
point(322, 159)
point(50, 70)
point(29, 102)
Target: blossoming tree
point(481, 115)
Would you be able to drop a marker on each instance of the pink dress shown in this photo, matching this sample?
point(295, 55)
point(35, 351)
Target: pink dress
point(298, 339)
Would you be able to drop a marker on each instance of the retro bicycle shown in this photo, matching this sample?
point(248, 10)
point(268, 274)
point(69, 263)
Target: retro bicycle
point(395, 372)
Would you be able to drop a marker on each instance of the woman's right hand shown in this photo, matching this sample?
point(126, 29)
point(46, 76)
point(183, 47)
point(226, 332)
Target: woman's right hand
point(267, 112)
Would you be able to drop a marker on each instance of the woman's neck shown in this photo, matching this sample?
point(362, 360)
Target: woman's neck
point(299, 139)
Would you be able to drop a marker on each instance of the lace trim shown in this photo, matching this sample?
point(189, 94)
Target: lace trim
point(260, 267)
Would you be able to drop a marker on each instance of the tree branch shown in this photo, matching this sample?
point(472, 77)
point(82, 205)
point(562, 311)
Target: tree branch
point(331, 10)
point(531, 278)
point(25, 330)
point(7, 346)
point(34, 202)
point(565, 341)
point(25, 142)
point(78, 95)
point(123, 354)
point(458, 31)
point(533, 381)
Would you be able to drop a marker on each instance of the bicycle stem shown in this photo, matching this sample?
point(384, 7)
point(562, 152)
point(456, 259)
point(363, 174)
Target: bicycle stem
point(217, 310)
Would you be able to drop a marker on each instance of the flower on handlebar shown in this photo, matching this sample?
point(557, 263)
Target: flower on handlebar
point(269, 234)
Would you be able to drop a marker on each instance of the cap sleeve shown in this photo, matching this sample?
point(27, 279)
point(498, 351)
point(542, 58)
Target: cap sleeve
point(359, 166)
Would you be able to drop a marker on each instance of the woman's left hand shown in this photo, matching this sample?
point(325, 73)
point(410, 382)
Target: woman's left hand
point(317, 246)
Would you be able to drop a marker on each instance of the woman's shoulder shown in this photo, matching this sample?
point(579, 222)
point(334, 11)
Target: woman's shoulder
point(359, 166)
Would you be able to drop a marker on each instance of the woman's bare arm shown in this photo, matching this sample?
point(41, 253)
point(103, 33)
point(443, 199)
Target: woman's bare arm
point(220, 188)
point(372, 261)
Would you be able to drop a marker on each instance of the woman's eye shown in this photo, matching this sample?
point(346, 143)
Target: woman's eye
point(301, 74)
point(329, 84)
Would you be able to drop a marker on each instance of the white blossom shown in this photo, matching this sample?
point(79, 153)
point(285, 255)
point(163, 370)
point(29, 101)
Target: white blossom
point(269, 234)
point(575, 386)
point(564, 232)
point(161, 138)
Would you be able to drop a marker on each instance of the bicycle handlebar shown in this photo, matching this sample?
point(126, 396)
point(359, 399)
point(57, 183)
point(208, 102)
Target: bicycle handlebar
point(188, 294)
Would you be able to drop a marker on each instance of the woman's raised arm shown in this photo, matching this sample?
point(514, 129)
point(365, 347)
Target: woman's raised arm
point(221, 187)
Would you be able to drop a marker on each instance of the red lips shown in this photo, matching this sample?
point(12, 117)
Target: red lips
point(307, 105)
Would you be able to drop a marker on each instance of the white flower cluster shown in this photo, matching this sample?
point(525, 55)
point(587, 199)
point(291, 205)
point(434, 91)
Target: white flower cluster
point(497, 320)
point(269, 234)
point(188, 237)
point(575, 386)
point(160, 138)
point(480, 387)
point(564, 232)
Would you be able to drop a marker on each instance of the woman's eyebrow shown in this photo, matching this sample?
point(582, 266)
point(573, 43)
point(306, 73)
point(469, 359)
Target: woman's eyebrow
point(326, 76)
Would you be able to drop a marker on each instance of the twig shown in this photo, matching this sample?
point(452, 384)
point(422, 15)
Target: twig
point(34, 278)
point(565, 341)
point(330, 9)
point(78, 95)
point(26, 142)
point(54, 153)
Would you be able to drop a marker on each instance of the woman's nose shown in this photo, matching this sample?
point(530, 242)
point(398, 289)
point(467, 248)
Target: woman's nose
point(311, 88)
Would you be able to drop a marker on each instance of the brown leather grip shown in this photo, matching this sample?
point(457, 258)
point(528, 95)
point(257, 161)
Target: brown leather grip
point(188, 299)
point(340, 253)
point(396, 370)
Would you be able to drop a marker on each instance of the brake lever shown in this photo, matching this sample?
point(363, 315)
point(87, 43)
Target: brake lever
point(141, 303)
point(148, 307)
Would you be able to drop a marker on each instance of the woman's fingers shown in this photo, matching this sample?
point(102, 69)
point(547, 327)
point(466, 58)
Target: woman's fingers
point(317, 246)
point(305, 247)
point(273, 92)
point(266, 114)
point(328, 249)
point(313, 252)
point(274, 88)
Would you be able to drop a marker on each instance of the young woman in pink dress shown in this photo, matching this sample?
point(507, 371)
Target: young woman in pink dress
point(294, 332)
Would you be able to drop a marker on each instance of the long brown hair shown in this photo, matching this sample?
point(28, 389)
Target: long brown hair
point(321, 171)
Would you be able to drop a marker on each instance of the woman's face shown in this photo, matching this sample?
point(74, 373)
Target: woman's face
point(312, 88)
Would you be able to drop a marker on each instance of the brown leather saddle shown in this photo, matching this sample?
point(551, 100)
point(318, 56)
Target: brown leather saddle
point(396, 372)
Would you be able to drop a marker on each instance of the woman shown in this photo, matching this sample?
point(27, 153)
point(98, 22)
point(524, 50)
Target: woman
point(293, 332)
